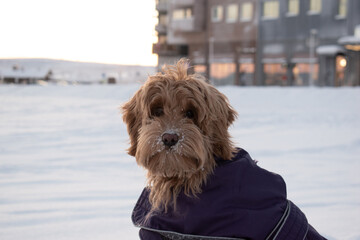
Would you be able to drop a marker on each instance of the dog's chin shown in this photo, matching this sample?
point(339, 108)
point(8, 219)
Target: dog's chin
point(170, 164)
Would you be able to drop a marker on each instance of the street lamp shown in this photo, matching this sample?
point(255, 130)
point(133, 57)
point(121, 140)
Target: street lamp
point(343, 62)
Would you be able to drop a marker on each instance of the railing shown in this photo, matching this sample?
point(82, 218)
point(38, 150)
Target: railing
point(164, 49)
point(185, 25)
point(179, 3)
point(160, 28)
point(162, 5)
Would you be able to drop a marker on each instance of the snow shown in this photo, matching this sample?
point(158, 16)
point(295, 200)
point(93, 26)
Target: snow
point(22, 73)
point(329, 50)
point(349, 40)
point(65, 174)
point(73, 72)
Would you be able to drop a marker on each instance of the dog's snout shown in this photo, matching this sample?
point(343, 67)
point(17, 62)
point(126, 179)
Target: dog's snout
point(170, 139)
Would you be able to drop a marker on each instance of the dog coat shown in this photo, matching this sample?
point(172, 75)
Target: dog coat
point(240, 200)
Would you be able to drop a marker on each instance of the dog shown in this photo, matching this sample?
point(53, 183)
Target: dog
point(179, 132)
point(176, 123)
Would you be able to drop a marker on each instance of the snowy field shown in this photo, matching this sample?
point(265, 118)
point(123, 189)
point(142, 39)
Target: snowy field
point(64, 172)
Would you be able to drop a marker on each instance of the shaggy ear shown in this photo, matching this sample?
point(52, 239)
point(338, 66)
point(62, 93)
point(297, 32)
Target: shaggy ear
point(223, 115)
point(223, 108)
point(232, 114)
point(132, 118)
point(217, 103)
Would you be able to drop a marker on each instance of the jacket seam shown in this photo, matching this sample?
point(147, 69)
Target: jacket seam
point(189, 235)
point(286, 218)
point(281, 222)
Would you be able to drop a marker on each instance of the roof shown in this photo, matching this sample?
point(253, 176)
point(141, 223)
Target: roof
point(329, 50)
point(349, 40)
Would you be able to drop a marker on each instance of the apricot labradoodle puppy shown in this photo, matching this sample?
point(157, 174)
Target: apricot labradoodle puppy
point(199, 185)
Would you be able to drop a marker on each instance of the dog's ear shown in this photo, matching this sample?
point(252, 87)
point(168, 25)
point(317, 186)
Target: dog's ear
point(214, 102)
point(221, 108)
point(231, 113)
point(132, 118)
point(222, 116)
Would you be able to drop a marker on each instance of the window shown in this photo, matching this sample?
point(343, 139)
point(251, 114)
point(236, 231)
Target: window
point(342, 10)
point(217, 13)
point(200, 69)
point(222, 73)
point(271, 9)
point(163, 19)
point(232, 12)
point(315, 6)
point(293, 7)
point(357, 31)
point(275, 74)
point(162, 39)
point(183, 13)
point(246, 11)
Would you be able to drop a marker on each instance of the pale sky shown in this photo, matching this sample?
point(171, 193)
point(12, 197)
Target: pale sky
point(106, 31)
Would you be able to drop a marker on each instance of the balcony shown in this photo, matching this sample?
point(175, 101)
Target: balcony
point(161, 28)
point(187, 15)
point(183, 3)
point(185, 25)
point(163, 49)
point(161, 6)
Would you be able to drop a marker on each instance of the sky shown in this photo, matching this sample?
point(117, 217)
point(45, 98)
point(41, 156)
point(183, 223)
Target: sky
point(104, 31)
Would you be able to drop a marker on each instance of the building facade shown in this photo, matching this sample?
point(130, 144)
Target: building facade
point(167, 53)
point(218, 36)
point(263, 42)
point(304, 42)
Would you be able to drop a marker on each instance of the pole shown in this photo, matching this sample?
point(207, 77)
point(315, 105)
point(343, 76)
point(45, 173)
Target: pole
point(211, 57)
point(312, 45)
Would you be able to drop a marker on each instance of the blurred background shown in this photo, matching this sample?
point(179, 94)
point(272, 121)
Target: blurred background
point(76, 42)
point(290, 68)
point(252, 42)
point(264, 42)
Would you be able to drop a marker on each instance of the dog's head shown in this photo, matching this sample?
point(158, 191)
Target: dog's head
point(177, 123)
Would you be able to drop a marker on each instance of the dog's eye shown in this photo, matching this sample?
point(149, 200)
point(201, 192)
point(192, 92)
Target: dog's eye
point(157, 112)
point(190, 114)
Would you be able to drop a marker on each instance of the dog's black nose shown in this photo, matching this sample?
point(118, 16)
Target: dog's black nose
point(170, 139)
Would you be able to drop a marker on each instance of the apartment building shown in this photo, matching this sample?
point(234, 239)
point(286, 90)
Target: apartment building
point(232, 34)
point(167, 53)
point(218, 36)
point(263, 42)
point(309, 42)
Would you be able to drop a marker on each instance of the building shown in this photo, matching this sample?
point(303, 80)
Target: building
point(167, 53)
point(263, 42)
point(20, 75)
point(218, 36)
point(308, 42)
point(32, 71)
point(230, 42)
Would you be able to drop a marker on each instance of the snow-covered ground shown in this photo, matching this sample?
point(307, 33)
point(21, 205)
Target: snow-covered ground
point(64, 172)
point(69, 72)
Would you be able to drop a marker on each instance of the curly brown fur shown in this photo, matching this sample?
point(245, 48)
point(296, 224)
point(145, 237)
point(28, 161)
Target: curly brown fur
point(174, 102)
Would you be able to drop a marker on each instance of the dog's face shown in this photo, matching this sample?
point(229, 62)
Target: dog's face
point(177, 123)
